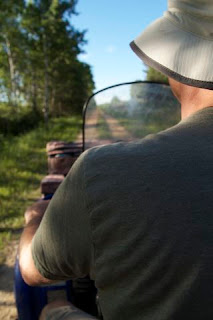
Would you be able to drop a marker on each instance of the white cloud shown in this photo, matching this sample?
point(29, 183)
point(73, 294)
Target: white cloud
point(111, 48)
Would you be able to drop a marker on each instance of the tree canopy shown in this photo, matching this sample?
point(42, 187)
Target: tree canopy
point(154, 75)
point(39, 66)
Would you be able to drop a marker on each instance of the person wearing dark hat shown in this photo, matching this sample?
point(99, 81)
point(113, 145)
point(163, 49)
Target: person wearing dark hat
point(142, 226)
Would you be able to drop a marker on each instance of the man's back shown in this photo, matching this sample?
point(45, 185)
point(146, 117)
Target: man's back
point(149, 209)
point(152, 224)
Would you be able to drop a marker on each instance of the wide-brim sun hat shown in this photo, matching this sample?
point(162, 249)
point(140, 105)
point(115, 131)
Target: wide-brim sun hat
point(180, 44)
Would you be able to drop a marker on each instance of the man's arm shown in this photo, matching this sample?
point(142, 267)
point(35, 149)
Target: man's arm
point(61, 246)
point(33, 217)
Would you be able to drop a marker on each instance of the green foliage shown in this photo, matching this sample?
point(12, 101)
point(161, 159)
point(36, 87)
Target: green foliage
point(23, 163)
point(154, 75)
point(39, 65)
point(11, 46)
point(14, 122)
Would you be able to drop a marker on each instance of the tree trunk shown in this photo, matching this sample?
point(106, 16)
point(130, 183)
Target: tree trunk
point(12, 72)
point(46, 82)
point(34, 93)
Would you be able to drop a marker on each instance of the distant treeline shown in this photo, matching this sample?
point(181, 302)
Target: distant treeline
point(40, 74)
point(154, 75)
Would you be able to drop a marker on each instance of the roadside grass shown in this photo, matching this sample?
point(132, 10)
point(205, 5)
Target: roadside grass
point(103, 129)
point(23, 163)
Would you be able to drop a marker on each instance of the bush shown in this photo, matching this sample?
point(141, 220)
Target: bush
point(15, 121)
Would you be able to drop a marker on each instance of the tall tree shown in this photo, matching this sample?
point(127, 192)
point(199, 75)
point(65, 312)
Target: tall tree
point(10, 43)
point(59, 45)
point(39, 50)
point(154, 75)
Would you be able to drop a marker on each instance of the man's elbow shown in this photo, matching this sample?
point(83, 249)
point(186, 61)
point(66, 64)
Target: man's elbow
point(29, 272)
point(32, 277)
point(28, 277)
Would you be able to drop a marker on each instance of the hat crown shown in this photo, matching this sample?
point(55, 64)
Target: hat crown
point(195, 16)
point(180, 44)
point(202, 8)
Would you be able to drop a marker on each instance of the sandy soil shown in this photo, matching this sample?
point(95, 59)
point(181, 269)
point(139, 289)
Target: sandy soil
point(7, 301)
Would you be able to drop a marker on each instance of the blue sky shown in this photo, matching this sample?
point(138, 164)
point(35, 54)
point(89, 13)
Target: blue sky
point(112, 25)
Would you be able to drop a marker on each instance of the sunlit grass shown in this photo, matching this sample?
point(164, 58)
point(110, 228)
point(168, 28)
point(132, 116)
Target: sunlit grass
point(23, 163)
point(103, 129)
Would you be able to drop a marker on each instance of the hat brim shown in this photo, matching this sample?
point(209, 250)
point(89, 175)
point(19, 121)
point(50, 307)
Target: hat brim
point(176, 53)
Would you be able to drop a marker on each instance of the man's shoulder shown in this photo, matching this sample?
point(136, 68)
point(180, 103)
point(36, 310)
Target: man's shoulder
point(115, 153)
point(182, 137)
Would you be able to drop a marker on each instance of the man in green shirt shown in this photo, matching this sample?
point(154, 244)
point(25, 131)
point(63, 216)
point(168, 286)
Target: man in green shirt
point(137, 217)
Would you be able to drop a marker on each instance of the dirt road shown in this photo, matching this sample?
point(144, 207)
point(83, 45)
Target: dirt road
point(115, 130)
point(7, 301)
point(118, 131)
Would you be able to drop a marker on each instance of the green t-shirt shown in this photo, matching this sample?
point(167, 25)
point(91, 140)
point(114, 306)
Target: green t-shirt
point(138, 218)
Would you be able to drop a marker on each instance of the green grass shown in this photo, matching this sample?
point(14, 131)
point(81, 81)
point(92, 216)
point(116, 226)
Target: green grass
point(23, 163)
point(103, 129)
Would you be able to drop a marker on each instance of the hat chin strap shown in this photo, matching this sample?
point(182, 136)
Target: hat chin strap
point(198, 25)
